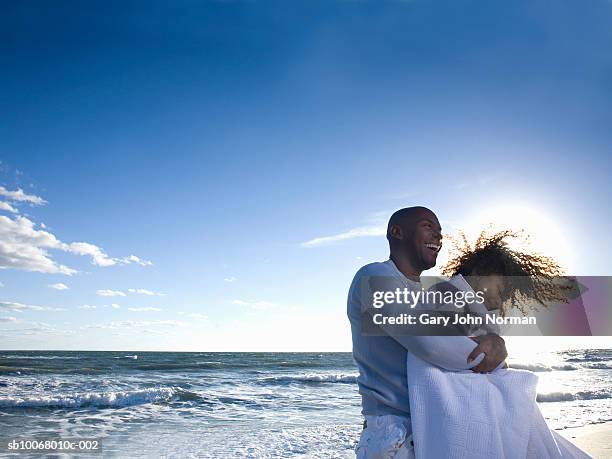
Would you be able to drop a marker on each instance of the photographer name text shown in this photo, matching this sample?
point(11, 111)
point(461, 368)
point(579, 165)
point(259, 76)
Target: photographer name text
point(467, 319)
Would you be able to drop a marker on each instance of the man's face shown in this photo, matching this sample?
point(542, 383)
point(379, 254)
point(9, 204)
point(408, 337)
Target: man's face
point(420, 240)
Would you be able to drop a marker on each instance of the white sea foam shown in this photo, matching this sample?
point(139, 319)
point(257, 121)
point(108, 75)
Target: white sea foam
point(312, 378)
point(568, 396)
point(332, 440)
point(599, 366)
point(42, 357)
point(539, 367)
point(97, 399)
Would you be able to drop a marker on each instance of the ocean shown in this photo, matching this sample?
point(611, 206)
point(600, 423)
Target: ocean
point(223, 405)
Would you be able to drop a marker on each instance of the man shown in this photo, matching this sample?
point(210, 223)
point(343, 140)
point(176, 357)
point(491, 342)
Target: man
point(414, 236)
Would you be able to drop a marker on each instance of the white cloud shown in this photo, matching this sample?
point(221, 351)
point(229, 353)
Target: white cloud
point(98, 256)
point(58, 286)
point(133, 259)
point(87, 306)
point(7, 207)
point(20, 196)
point(33, 328)
point(20, 307)
point(106, 292)
point(230, 279)
point(147, 309)
point(23, 246)
point(8, 319)
point(362, 231)
point(144, 291)
point(115, 306)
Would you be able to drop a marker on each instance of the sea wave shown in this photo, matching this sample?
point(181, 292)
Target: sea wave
point(127, 363)
point(41, 357)
point(568, 396)
point(589, 358)
point(599, 366)
point(538, 367)
point(175, 366)
point(49, 370)
point(310, 378)
point(97, 399)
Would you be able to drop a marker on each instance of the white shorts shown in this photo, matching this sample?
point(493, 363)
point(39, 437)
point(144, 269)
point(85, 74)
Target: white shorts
point(386, 437)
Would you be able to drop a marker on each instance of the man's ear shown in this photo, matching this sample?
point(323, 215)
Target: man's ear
point(396, 232)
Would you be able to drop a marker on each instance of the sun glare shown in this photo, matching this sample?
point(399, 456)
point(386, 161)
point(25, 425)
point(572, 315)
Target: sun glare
point(545, 236)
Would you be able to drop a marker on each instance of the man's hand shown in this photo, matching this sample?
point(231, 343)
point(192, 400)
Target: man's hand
point(494, 348)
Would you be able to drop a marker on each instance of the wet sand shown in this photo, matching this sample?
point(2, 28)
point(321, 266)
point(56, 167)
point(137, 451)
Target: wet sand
point(595, 439)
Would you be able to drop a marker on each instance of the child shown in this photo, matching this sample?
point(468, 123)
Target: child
point(512, 278)
point(464, 414)
point(506, 278)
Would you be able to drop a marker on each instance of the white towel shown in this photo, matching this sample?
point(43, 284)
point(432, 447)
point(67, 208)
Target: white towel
point(468, 415)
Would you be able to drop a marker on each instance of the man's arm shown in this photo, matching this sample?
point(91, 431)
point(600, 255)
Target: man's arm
point(455, 353)
point(448, 352)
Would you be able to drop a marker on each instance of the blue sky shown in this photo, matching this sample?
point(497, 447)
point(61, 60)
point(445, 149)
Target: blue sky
point(220, 141)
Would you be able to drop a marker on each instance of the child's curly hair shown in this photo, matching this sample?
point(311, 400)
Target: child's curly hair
point(533, 277)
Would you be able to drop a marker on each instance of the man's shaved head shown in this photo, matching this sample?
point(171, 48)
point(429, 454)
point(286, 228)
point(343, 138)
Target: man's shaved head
point(406, 218)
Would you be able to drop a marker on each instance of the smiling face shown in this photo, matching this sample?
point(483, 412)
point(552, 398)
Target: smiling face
point(426, 240)
point(417, 239)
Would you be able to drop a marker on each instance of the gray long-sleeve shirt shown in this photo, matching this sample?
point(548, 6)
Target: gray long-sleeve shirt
point(382, 359)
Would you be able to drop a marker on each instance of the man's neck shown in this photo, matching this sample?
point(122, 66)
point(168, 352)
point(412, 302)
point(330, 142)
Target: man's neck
point(405, 267)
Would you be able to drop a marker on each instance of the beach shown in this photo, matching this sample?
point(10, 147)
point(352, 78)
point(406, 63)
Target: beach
point(252, 405)
point(595, 439)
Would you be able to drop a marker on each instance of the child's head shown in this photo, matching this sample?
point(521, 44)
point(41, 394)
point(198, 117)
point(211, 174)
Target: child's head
point(507, 277)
